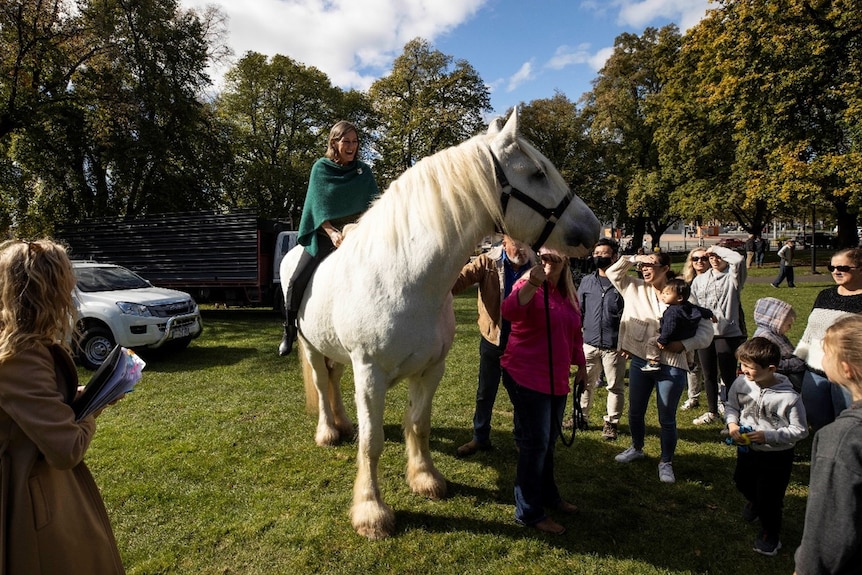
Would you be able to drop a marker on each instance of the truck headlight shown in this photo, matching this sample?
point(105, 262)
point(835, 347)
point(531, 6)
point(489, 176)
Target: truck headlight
point(134, 308)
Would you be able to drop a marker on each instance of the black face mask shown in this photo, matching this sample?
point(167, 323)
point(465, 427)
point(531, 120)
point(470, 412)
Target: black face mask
point(602, 262)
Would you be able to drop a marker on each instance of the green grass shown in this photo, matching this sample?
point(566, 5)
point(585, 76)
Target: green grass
point(210, 467)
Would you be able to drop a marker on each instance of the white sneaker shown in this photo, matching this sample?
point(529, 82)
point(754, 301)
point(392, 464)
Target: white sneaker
point(704, 419)
point(651, 367)
point(629, 455)
point(690, 403)
point(665, 472)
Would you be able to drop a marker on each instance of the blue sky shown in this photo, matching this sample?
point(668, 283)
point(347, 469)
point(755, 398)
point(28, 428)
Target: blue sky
point(523, 49)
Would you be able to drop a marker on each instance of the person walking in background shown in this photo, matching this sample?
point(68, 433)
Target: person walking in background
point(545, 320)
point(695, 264)
point(765, 403)
point(719, 289)
point(54, 520)
point(495, 272)
point(823, 399)
point(601, 310)
point(340, 189)
point(750, 250)
point(760, 249)
point(785, 264)
point(832, 535)
point(640, 321)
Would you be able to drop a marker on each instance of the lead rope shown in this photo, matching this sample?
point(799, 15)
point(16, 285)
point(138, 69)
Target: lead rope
point(578, 414)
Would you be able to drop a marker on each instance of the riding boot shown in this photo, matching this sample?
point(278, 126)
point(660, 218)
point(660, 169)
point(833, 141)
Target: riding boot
point(287, 340)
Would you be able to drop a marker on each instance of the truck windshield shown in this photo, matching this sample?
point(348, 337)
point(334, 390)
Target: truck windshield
point(108, 279)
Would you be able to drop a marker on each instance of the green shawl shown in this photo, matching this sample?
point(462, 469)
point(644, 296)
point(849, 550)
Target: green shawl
point(334, 192)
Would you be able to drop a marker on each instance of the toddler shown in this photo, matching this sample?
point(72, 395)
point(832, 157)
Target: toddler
point(774, 318)
point(679, 321)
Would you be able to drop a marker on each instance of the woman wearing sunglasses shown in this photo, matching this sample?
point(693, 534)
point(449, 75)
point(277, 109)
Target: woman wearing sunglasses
point(823, 399)
point(538, 385)
point(695, 264)
point(640, 321)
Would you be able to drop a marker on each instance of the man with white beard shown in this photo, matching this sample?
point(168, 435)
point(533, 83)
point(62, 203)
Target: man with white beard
point(495, 272)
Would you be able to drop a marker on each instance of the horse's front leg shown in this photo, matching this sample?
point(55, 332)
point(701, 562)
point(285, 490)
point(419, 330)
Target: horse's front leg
point(371, 517)
point(422, 476)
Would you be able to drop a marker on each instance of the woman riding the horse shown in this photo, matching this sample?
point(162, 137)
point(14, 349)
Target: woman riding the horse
point(340, 189)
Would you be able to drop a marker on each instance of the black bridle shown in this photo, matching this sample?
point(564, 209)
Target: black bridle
point(551, 215)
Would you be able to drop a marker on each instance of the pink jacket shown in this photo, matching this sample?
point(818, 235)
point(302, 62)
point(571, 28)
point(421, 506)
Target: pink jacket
point(526, 354)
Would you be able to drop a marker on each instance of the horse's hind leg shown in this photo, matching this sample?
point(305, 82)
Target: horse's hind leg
point(327, 428)
point(370, 516)
point(422, 476)
point(343, 423)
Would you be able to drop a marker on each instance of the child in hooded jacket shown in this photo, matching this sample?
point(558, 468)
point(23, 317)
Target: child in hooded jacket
point(766, 402)
point(774, 318)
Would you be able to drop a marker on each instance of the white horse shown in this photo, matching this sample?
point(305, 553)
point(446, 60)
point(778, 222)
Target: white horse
point(382, 300)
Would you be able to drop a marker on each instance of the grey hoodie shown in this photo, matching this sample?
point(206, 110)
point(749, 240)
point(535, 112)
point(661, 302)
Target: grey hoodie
point(776, 410)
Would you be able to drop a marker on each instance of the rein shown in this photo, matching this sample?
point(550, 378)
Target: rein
point(551, 215)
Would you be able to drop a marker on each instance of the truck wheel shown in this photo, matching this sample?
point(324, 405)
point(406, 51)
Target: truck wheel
point(94, 345)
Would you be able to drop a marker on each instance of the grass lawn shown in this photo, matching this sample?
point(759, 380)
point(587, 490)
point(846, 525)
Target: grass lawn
point(210, 467)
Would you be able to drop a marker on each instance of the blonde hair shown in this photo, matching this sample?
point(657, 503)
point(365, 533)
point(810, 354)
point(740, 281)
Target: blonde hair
point(841, 344)
point(688, 273)
point(36, 281)
point(566, 285)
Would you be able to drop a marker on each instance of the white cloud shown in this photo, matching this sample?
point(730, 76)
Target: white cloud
point(640, 13)
point(565, 56)
point(351, 41)
point(524, 74)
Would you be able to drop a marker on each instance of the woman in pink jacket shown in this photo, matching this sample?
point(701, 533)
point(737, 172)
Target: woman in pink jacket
point(538, 385)
point(54, 521)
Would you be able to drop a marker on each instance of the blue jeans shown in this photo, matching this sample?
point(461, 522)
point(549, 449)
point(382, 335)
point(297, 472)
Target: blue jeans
point(486, 392)
point(823, 400)
point(537, 426)
point(669, 384)
point(785, 272)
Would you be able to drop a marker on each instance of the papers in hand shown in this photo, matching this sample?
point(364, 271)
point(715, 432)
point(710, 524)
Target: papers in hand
point(116, 377)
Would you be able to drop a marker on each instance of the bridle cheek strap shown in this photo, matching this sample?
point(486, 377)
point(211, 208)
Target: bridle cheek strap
point(551, 215)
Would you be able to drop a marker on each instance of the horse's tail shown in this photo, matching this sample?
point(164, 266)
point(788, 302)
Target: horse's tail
point(311, 398)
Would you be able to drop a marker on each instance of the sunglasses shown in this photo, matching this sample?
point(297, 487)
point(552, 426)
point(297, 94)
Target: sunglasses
point(700, 259)
point(842, 269)
point(550, 258)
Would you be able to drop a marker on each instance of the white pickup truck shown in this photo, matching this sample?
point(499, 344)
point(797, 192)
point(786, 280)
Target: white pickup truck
point(118, 307)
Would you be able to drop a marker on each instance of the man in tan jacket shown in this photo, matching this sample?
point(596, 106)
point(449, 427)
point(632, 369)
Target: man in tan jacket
point(495, 273)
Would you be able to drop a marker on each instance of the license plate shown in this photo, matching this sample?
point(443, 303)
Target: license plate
point(178, 332)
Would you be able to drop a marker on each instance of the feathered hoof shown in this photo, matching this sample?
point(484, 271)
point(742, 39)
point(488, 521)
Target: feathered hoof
point(373, 520)
point(427, 484)
point(327, 436)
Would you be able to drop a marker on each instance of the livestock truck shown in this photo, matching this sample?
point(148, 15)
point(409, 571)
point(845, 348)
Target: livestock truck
point(221, 258)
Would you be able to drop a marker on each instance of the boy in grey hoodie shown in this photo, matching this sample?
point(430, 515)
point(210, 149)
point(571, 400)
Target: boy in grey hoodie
point(766, 402)
point(774, 318)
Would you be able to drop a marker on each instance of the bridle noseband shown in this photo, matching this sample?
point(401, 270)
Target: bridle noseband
point(551, 215)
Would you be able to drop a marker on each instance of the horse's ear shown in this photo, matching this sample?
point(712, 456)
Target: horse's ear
point(512, 124)
point(498, 125)
point(495, 126)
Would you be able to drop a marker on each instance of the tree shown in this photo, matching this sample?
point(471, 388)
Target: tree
point(424, 105)
point(780, 98)
point(120, 128)
point(623, 108)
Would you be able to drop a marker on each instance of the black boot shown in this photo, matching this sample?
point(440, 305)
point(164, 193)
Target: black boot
point(287, 340)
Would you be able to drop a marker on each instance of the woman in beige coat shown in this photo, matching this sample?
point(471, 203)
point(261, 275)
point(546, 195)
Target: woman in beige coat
point(53, 518)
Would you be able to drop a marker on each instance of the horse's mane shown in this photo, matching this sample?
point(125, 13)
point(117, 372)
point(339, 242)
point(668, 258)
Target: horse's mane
point(440, 194)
